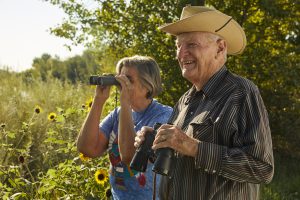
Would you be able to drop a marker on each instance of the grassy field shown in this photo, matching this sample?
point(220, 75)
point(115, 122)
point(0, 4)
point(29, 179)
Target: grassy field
point(39, 125)
point(286, 181)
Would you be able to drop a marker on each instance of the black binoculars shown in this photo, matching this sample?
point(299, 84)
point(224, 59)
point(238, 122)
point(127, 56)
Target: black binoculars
point(163, 157)
point(105, 80)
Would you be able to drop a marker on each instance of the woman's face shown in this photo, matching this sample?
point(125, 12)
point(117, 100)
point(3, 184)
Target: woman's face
point(138, 93)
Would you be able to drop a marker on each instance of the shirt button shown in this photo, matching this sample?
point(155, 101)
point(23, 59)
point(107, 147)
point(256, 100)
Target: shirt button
point(191, 113)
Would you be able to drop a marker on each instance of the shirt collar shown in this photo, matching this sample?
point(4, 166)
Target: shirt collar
point(210, 87)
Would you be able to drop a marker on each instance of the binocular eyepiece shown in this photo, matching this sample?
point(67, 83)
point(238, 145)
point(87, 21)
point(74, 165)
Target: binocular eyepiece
point(164, 157)
point(106, 80)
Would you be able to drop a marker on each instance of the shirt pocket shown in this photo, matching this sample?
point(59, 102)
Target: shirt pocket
point(204, 130)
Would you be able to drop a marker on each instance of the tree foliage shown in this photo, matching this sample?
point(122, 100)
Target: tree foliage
point(76, 69)
point(271, 59)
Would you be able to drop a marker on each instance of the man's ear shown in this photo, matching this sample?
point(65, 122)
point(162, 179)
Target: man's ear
point(222, 46)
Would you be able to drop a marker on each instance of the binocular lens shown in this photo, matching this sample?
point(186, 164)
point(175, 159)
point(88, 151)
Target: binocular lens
point(163, 162)
point(103, 80)
point(140, 159)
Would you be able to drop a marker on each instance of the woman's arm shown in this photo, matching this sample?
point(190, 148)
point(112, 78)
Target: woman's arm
point(91, 141)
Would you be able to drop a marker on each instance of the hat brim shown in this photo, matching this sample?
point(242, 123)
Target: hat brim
point(213, 22)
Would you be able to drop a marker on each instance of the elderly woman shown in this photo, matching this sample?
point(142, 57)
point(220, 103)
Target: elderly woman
point(140, 81)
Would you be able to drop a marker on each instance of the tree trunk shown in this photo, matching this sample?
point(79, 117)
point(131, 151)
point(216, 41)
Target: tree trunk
point(201, 2)
point(183, 3)
point(197, 2)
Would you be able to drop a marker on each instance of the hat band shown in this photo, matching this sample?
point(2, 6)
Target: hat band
point(223, 25)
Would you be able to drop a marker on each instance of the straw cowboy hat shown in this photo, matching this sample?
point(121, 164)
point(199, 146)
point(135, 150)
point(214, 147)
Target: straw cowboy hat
point(200, 18)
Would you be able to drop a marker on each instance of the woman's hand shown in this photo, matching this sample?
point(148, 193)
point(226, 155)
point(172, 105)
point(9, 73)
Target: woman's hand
point(140, 136)
point(126, 89)
point(102, 93)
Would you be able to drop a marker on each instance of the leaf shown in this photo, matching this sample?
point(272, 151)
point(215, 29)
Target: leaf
point(18, 195)
point(51, 173)
point(46, 188)
point(11, 135)
point(13, 184)
point(50, 140)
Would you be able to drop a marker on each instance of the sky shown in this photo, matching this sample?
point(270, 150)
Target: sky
point(25, 35)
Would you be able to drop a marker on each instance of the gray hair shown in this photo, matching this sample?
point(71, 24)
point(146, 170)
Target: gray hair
point(148, 72)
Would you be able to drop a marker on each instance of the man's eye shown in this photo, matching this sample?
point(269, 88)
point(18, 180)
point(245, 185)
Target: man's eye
point(192, 45)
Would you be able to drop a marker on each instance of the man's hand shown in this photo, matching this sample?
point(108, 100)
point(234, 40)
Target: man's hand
point(173, 137)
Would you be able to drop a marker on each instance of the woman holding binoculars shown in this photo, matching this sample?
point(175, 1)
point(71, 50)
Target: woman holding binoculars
point(140, 82)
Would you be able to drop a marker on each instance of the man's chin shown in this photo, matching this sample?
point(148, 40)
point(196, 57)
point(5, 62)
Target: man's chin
point(186, 75)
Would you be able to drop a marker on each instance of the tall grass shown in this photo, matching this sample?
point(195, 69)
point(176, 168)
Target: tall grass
point(39, 125)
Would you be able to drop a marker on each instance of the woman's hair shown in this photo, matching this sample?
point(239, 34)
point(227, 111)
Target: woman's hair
point(148, 72)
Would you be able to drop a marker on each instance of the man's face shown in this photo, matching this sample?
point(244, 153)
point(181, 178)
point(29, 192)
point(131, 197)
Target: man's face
point(197, 56)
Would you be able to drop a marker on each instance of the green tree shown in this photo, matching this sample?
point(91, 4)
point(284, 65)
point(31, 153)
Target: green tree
point(43, 65)
point(76, 69)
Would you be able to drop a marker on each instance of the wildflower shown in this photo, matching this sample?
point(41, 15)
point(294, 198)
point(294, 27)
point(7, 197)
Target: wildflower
point(89, 103)
point(3, 125)
point(108, 192)
point(21, 159)
point(101, 176)
point(83, 157)
point(37, 109)
point(52, 116)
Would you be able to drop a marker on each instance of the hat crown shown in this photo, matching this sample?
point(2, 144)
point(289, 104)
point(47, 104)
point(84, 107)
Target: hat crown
point(189, 11)
point(204, 19)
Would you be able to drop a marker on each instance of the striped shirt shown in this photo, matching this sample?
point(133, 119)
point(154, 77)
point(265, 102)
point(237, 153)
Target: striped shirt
point(234, 155)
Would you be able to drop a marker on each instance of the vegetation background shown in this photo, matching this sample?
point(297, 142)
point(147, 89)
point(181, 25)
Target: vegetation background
point(43, 108)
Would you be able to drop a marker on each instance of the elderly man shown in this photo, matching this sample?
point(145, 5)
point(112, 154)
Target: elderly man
point(220, 130)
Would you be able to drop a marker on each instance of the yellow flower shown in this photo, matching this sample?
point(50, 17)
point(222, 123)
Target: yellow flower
point(2, 125)
point(101, 176)
point(52, 116)
point(89, 103)
point(83, 157)
point(37, 109)
point(21, 159)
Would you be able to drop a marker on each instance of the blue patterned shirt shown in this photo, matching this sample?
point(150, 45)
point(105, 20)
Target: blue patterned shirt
point(126, 183)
